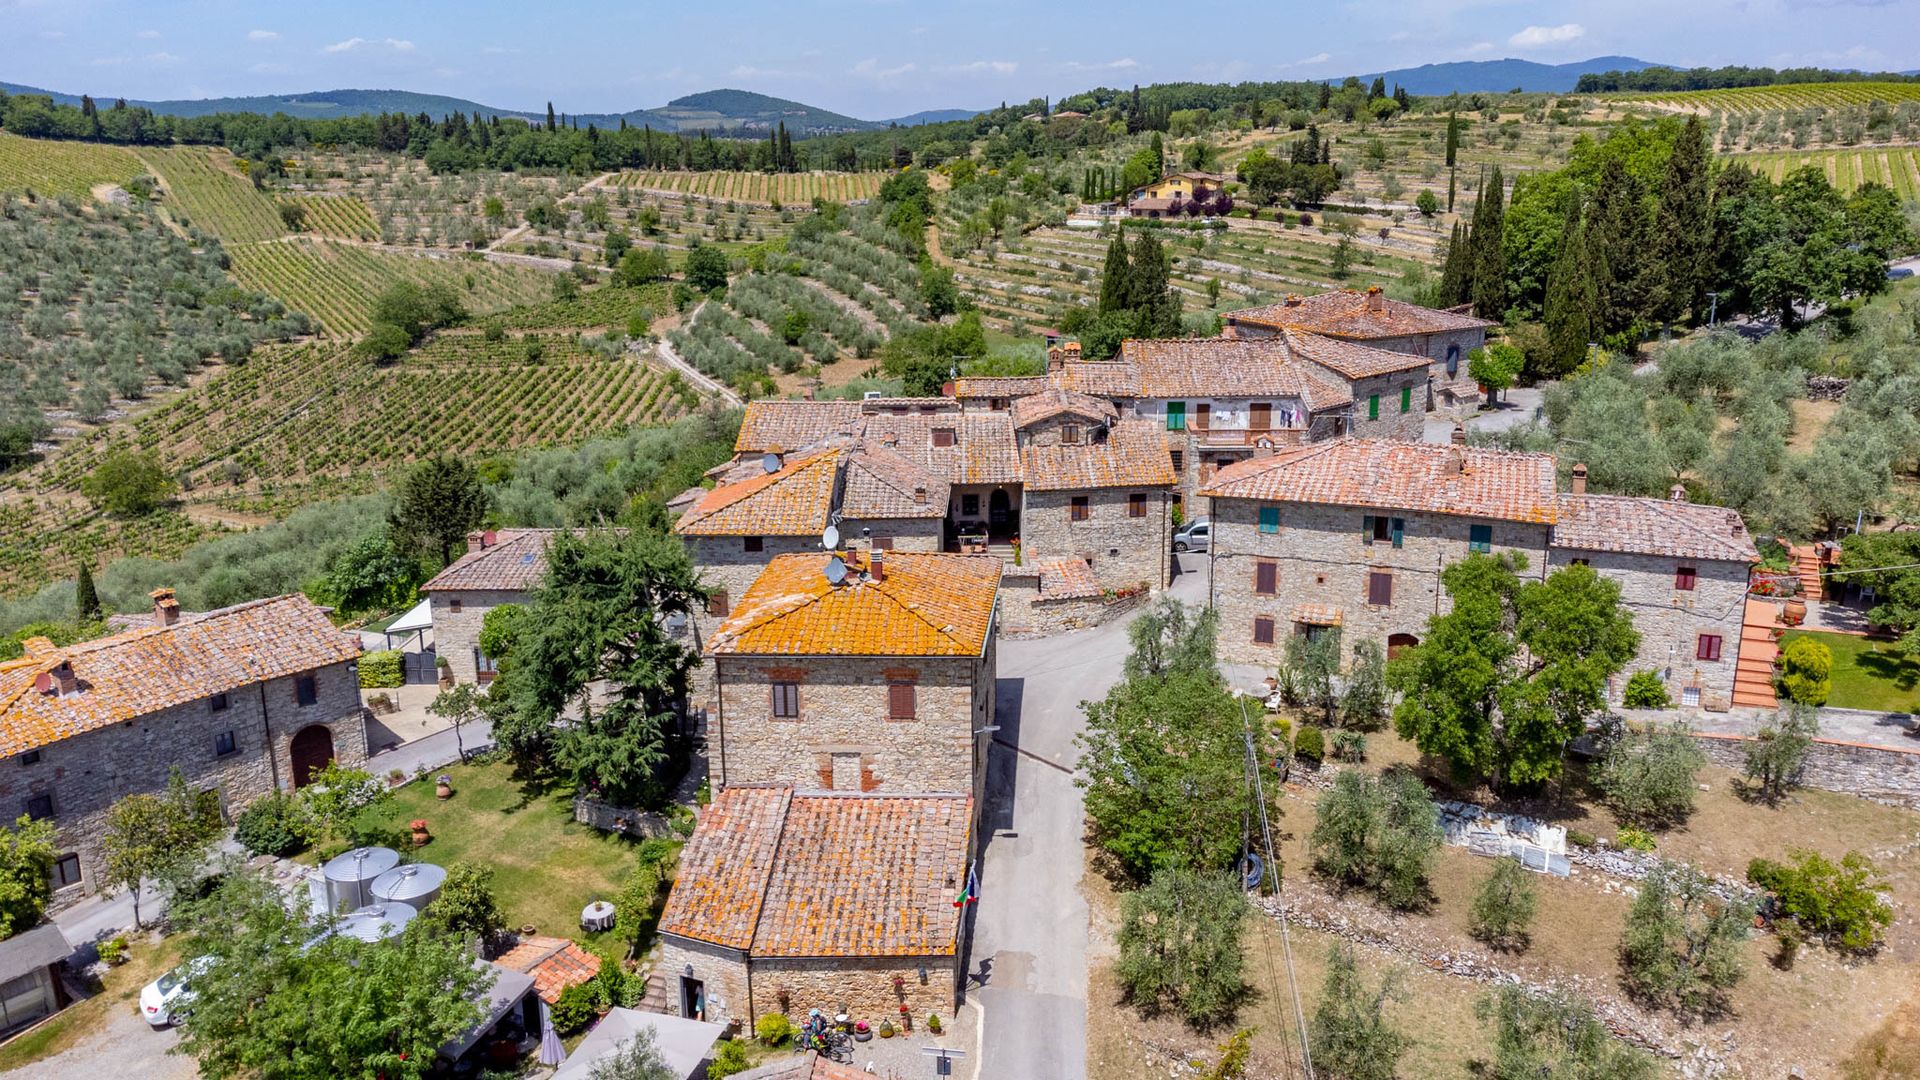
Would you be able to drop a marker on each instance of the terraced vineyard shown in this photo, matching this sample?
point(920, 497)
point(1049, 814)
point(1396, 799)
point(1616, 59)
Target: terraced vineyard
point(46, 538)
point(1895, 167)
point(342, 217)
point(337, 283)
point(411, 205)
point(58, 167)
point(206, 186)
point(300, 413)
point(790, 189)
point(1756, 99)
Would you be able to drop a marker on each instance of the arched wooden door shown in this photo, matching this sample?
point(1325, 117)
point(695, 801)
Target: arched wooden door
point(312, 751)
point(1398, 642)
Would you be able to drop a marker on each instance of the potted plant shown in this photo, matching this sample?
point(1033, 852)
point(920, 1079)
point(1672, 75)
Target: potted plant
point(443, 787)
point(420, 834)
point(906, 1017)
point(933, 1023)
point(886, 1029)
point(446, 673)
point(395, 777)
point(861, 1032)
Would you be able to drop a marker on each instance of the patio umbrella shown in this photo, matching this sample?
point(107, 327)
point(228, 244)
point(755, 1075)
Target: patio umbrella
point(551, 1052)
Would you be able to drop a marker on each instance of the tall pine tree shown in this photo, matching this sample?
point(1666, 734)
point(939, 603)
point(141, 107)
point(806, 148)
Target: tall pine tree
point(1683, 228)
point(1571, 302)
point(1489, 292)
point(1116, 278)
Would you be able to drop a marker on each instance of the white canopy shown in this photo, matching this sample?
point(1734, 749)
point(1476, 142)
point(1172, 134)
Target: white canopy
point(418, 617)
point(684, 1043)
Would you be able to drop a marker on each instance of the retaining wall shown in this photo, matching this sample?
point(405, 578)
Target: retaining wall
point(1882, 773)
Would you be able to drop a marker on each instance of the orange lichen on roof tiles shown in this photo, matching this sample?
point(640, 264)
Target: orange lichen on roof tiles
point(1133, 455)
point(1346, 313)
point(722, 881)
point(1375, 473)
point(793, 501)
point(778, 427)
point(554, 963)
point(143, 671)
point(999, 386)
point(922, 605)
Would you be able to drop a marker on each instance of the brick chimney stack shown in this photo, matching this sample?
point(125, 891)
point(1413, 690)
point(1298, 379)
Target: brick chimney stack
point(1376, 300)
point(476, 541)
point(1580, 478)
point(1056, 360)
point(1678, 493)
point(166, 610)
point(1459, 435)
point(877, 564)
point(65, 682)
point(920, 494)
point(1293, 300)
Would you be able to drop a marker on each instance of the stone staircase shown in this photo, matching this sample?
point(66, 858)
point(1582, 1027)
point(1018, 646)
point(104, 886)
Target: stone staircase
point(1806, 563)
point(655, 999)
point(1753, 671)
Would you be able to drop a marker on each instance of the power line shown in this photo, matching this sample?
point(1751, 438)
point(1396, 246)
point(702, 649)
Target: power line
point(1273, 867)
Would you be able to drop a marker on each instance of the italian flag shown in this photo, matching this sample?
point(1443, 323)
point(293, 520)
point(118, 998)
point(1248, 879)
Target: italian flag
point(971, 893)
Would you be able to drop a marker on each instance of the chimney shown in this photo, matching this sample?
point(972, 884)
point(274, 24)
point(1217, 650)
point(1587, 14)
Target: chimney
point(1580, 478)
point(1459, 436)
point(1735, 527)
point(65, 682)
point(166, 610)
point(920, 494)
point(1678, 493)
point(1056, 359)
point(476, 541)
point(1072, 350)
point(807, 394)
point(1376, 300)
point(877, 564)
point(1293, 300)
point(1456, 460)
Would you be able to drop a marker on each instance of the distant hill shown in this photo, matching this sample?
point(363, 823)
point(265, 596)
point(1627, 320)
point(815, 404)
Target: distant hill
point(736, 110)
point(318, 105)
point(1497, 76)
point(935, 116)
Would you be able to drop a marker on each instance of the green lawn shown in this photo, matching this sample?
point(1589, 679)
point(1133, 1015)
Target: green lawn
point(546, 866)
point(1868, 674)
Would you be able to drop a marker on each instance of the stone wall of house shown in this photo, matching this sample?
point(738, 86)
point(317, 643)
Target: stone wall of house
point(87, 773)
point(1874, 772)
point(1323, 558)
point(1671, 620)
point(1391, 389)
point(1123, 550)
point(843, 739)
point(457, 616)
point(725, 563)
point(1449, 393)
point(907, 534)
point(724, 971)
point(863, 987)
point(1023, 613)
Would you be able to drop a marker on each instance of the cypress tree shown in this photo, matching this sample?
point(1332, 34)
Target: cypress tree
point(1453, 152)
point(1151, 290)
point(1489, 249)
point(1570, 300)
point(1617, 234)
point(1116, 278)
point(1683, 233)
point(550, 124)
point(86, 601)
point(1456, 273)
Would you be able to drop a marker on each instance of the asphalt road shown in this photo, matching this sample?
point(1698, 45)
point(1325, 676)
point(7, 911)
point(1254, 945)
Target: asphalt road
point(1027, 967)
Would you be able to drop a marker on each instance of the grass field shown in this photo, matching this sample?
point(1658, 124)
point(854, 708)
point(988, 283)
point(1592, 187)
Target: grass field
point(54, 167)
point(1755, 99)
point(1897, 167)
point(337, 283)
point(1868, 674)
point(206, 186)
point(788, 188)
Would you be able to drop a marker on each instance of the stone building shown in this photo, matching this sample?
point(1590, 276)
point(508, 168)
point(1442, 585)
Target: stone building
point(876, 682)
point(244, 700)
point(501, 566)
point(1098, 494)
point(787, 901)
point(1444, 338)
point(1353, 533)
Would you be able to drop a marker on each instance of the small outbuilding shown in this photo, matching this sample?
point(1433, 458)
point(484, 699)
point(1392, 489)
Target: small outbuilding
point(685, 1044)
point(30, 988)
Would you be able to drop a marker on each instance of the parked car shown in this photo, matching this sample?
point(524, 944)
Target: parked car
point(164, 1000)
point(1194, 535)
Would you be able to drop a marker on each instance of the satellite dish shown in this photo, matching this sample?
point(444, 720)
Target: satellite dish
point(830, 539)
point(770, 462)
point(836, 571)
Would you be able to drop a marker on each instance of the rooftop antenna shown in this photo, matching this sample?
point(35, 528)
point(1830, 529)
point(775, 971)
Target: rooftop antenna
point(836, 571)
point(830, 539)
point(770, 462)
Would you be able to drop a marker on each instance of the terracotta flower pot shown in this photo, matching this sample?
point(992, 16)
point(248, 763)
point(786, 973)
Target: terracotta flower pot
point(420, 834)
point(443, 791)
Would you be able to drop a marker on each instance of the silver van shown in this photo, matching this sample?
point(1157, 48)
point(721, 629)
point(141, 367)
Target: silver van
point(1194, 535)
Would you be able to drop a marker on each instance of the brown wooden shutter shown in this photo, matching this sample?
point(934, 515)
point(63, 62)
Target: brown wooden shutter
point(900, 701)
point(1266, 578)
point(1380, 588)
point(1263, 630)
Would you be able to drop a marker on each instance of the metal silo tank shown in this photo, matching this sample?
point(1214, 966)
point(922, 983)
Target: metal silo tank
point(417, 885)
point(350, 876)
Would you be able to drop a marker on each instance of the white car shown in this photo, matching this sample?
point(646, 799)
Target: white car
point(161, 1003)
point(1196, 536)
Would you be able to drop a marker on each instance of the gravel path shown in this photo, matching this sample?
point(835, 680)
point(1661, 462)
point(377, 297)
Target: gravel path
point(124, 1046)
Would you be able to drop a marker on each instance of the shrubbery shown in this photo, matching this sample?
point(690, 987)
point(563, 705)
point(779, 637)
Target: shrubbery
point(1682, 943)
point(382, 669)
point(1841, 901)
point(1378, 834)
point(1645, 690)
point(276, 824)
point(1650, 778)
point(1806, 671)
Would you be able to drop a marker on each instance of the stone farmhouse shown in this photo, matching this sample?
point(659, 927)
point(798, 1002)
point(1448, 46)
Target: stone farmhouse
point(500, 567)
point(1444, 338)
point(245, 700)
point(1353, 534)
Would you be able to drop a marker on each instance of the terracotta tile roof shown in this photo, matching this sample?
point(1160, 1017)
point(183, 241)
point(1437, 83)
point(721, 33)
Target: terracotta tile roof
point(1154, 202)
point(1652, 527)
point(1229, 368)
point(1349, 359)
point(514, 561)
point(983, 450)
point(1055, 401)
point(1315, 614)
point(1466, 481)
point(722, 881)
point(794, 501)
point(925, 605)
point(1344, 313)
point(143, 671)
point(882, 483)
point(783, 874)
point(999, 386)
point(1101, 378)
point(870, 406)
point(1133, 455)
point(783, 426)
point(1066, 579)
point(555, 964)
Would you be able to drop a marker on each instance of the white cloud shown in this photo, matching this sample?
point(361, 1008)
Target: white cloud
point(870, 69)
point(1535, 36)
point(163, 58)
point(263, 35)
point(1125, 63)
point(1478, 47)
point(352, 43)
point(1309, 61)
point(148, 34)
point(997, 67)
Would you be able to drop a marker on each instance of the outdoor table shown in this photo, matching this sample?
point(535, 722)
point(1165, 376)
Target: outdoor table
point(597, 916)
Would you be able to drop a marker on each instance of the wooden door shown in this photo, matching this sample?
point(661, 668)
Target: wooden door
point(1260, 416)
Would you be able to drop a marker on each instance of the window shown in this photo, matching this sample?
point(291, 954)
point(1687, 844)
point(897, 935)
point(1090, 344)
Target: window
point(1406, 399)
point(1480, 538)
point(1453, 360)
point(717, 603)
point(453, 605)
point(999, 404)
point(224, 744)
point(1078, 509)
point(969, 506)
point(1176, 416)
point(38, 807)
point(1684, 578)
point(1137, 504)
point(1690, 696)
point(218, 703)
point(899, 701)
point(1269, 519)
point(1581, 562)
point(485, 668)
point(1266, 577)
point(1380, 588)
point(305, 690)
point(66, 871)
point(1709, 648)
point(1383, 530)
point(786, 701)
point(1070, 434)
point(943, 436)
point(31, 757)
point(1179, 460)
point(1263, 630)
point(752, 543)
point(1203, 416)
point(1373, 406)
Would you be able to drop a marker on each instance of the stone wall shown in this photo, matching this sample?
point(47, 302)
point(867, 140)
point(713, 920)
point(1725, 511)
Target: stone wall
point(862, 986)
point(456, 633)
point(724, 562)
point(1122, 550)
point(1322, 558)
point(87, 773)
point(1670, 620)
point(843, 739)
point(1407, 426)
point(607, 817)
point(907, 534)
point(724, 971)
point(1023, 613)
point(1880, 773)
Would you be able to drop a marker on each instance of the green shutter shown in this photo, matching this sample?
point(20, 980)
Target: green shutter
point(1406, 399)
point(1480, 538)
point(1373, 407)
point(1269, 519)
point(1366, 529)
point(1176, 416)
point(1399, 530)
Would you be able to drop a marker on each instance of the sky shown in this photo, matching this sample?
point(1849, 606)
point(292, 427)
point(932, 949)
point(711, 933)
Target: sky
point(878, 59)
